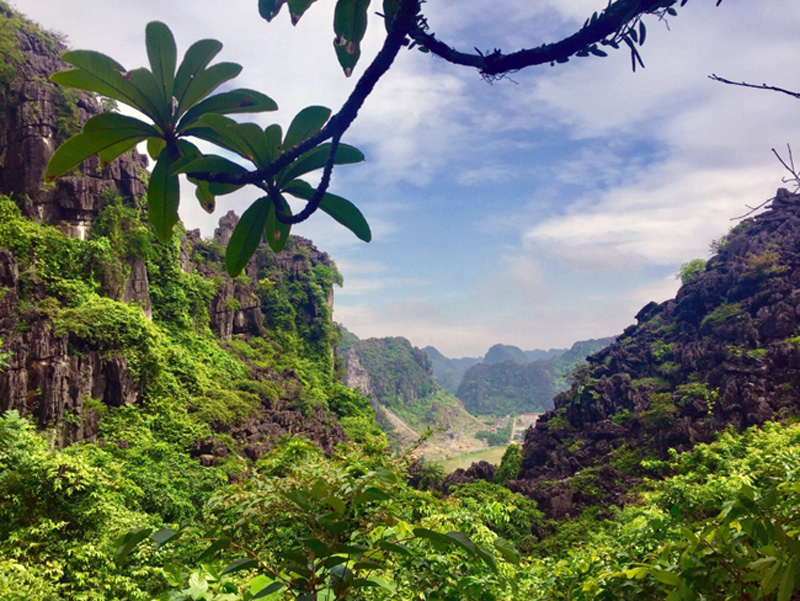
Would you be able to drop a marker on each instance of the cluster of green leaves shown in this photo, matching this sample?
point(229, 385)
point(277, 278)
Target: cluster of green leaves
point(347, 527)
point(178, 101)
point(691, 271)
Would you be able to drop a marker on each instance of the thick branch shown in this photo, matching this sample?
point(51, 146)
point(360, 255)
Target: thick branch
point(610, 22)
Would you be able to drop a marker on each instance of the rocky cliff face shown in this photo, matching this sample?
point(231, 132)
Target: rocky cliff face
point(724, 353)
point(236, 308)
point(54, 376)
point(390, 370)
point(37, 116)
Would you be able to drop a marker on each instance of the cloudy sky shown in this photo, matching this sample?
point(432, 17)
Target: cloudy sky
point(541, 210)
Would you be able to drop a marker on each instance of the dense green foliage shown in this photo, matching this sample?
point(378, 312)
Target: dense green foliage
point(723, 526)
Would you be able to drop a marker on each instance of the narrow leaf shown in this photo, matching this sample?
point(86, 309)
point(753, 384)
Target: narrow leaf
point(163, 197)
point(245, 563)
point(273, 136)
point(197, 58)
point(341, 209)
point(247, 235)
point(205, 82)
point(787, 583)
point(162, 53)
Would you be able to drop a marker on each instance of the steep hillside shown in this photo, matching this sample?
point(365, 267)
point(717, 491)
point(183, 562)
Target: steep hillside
point(95, 314)
point(398, 377)
point(724, 353)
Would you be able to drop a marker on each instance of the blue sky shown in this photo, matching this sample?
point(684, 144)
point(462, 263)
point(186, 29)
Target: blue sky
point(541, 210)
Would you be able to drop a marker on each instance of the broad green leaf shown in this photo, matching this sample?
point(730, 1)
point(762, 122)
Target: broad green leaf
point(463, 541)
point(349, 25)
point(341, 576)
point(277, 232)
point(297, 8)
point(486, 556)
point(101, 133)
point(146, 82)
point(163, 536)
point(197, 58)
point(108, 155)
point(316, 158)
point(317, 547)
point(245, 139)
point(217, 545)
point(129, 540)
point(336, 504)
point(341, 209)
point(369, 495)
point(507, 550)
point(667, 577)
point(347, 53)
point(99, 73)
point(235, 101)
point(204, 195)
point(162, 53)
point(263, 586)
point(368, 565)
point(155, 146)
point(269, 8)
point(305, 124)
point(163, 197)
point(350, 19)
point(245, 563)
point(205, 82)
point(247, 236)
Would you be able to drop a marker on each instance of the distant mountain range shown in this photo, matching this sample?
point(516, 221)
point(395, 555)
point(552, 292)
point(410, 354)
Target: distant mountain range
point(417, 385)
point(508, 380)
